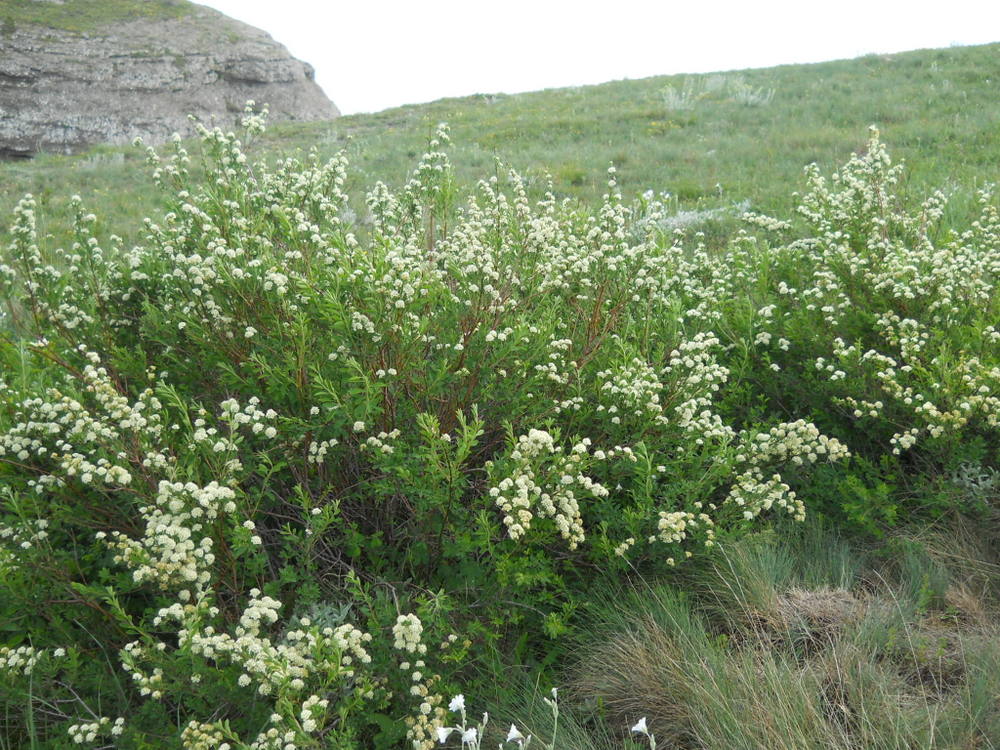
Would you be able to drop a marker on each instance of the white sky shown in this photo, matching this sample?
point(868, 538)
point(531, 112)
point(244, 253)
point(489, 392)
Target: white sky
point(374, 54)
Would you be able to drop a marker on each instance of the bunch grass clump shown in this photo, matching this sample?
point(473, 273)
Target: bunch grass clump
point(875, 663)
point(729, 88)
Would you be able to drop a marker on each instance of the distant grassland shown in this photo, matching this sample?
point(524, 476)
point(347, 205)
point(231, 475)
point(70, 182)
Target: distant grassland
point(85, 15)
point(938, 110)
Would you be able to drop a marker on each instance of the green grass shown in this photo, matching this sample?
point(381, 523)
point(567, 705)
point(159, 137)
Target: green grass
point(85, 15)
point(938, 111)
point(843, 649)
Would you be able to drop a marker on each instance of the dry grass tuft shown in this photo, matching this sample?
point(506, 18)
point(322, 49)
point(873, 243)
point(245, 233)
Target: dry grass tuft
point(821, 611)
point(798, 666)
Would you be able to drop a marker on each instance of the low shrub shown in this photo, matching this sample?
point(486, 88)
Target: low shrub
point(271, 479)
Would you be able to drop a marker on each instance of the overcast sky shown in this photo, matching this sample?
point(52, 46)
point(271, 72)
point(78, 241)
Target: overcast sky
point(371, 55)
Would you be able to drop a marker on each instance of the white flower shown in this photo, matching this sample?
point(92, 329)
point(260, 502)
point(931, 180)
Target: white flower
point(443, 733)
point(514, 735)
point(469, 736)
point(457, 703)
point(640, 726)
point(359, 426)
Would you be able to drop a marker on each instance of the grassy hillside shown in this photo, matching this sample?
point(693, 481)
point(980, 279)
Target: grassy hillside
point(85, 15)
point(938, 110)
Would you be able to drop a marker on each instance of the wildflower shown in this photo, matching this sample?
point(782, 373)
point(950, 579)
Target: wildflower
point(443, 733)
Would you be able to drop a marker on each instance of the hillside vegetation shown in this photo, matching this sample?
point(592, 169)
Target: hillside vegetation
point(938, 109)
point(85, 15)
point(300, 464)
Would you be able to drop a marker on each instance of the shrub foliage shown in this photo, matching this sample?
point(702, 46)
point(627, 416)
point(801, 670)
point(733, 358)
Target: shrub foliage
point(276, 478)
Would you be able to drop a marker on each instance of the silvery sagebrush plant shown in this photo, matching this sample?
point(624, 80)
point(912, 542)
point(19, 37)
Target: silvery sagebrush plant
point(273, 479)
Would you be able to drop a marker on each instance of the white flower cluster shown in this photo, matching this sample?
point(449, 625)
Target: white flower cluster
point(260, 421)
point(276, 738)
point(204, 736)
point(426, 179)
point(313, 710)
point(768, 223)
point(287, 664)
point(26, 535)
point(37, 277)
point(675, 526)
point(92, 730)
point(430, 712)
point(908, 335)
point(407, 632)
point(634, 389)
point(15, 540)
point(429, 716)
point(149, 683)
point(699, 376)
point(797, 442)
point(306, 655)
point(545, 482)
point(557, 369)
point(380, 443)
point(319, 449)
point(870, 258)
point(962, 390)
point(622, 549)
point(754, 493)
point(292, 194)
point(24, 659)
point(176, 549)
point(63, 431)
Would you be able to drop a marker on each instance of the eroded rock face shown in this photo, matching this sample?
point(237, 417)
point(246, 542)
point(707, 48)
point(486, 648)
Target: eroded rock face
point(63, 91)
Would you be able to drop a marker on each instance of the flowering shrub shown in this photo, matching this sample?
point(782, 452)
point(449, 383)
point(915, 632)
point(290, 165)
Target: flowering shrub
point(273, 464)
point(907, 368)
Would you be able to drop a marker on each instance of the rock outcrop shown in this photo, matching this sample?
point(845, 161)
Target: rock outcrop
point(65, 90)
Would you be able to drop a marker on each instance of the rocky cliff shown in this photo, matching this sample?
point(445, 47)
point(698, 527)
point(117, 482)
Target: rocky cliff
point(66, 86)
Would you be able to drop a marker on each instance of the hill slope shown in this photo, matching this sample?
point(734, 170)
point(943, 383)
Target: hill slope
point(938, 111)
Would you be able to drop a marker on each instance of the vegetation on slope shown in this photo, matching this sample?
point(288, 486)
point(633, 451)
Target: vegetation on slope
point(272, 481)
point(833, 644)
point(938, 109)
point(304, 457)
point(85, 15)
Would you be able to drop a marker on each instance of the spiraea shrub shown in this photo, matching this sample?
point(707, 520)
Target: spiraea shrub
point(276, 478)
